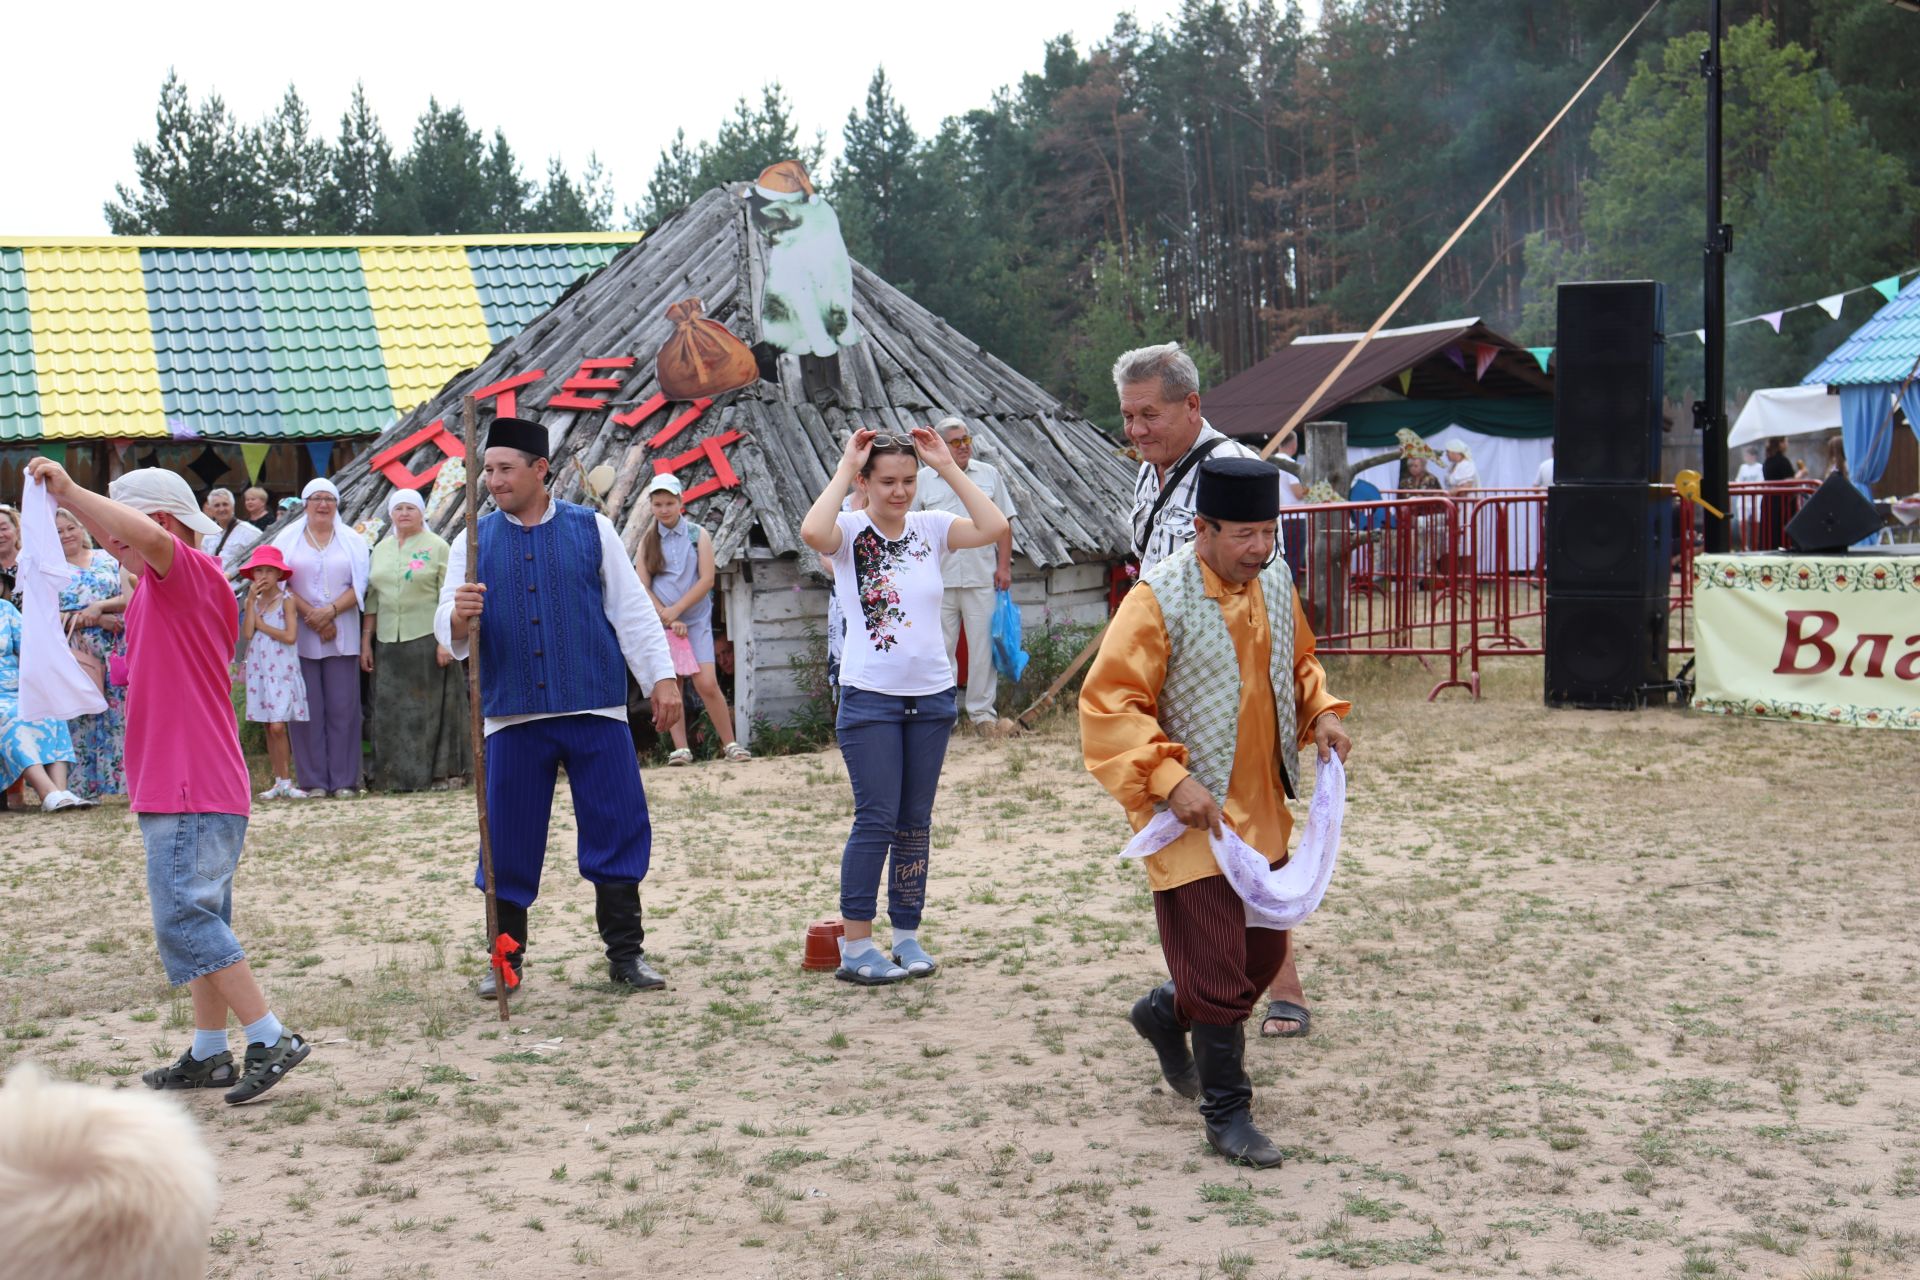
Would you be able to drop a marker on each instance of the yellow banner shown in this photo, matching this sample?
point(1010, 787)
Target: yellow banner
point(1832, 639)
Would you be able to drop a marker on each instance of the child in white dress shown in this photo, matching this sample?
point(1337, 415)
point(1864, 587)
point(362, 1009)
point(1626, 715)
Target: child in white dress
point(276, 693)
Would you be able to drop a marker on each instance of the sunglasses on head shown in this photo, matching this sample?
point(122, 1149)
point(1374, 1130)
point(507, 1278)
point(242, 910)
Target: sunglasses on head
point(883, 440)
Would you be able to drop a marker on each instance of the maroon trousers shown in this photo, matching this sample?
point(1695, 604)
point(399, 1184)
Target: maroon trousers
point(1220, 967)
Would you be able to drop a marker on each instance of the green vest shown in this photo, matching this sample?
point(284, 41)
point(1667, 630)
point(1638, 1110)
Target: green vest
point(1200, 701)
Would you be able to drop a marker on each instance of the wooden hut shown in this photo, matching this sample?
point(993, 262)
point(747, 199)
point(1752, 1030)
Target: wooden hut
point(756, 457)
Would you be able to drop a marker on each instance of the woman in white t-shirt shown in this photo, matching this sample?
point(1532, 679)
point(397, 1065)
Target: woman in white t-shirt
point(897, 700)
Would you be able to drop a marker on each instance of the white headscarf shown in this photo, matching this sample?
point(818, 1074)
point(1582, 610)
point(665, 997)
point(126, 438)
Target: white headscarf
point(405, 498)
point(359, 555)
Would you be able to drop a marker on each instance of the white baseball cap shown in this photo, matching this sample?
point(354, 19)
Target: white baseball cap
point(157, 491)
point(666, 483)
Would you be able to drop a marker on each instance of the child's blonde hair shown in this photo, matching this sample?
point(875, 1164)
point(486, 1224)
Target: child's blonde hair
point(100, 1182)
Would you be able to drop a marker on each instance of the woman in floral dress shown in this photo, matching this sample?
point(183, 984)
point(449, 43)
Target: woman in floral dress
point(93, 605)
point(37, 750)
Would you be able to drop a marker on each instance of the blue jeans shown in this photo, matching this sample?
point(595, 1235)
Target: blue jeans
point(191, 858)
point(894, 748)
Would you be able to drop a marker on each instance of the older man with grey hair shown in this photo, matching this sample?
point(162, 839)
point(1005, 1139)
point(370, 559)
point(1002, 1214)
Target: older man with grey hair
point(236, 537)
point(971, 576)
point(1160, 405)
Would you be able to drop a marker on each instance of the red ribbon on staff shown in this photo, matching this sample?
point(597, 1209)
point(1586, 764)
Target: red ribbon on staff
point(503, 947)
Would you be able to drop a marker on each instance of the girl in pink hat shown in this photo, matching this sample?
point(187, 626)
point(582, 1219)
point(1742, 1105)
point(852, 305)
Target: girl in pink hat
point(276, 693)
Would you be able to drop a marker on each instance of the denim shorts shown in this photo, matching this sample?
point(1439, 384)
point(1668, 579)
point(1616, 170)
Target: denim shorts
point(190, 863)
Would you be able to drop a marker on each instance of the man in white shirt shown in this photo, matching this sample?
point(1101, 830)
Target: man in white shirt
point(1543, 478)
point(236, 538)
point(1752, 470)
point(566, 621)
point(971, 576)
point(1160, 408)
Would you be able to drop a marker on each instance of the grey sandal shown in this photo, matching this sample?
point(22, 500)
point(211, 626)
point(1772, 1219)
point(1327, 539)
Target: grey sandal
point(876, 971)
point(914, 958)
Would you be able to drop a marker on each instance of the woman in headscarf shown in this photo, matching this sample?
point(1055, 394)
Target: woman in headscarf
point(1462, 475)
point(420, 727)
point(330, 562)
point(92, 605)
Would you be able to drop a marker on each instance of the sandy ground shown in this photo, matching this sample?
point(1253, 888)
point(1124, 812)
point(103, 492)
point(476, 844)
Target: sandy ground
point(1595, 995)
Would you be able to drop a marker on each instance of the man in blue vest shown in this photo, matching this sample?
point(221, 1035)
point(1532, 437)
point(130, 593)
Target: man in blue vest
point(564, 619)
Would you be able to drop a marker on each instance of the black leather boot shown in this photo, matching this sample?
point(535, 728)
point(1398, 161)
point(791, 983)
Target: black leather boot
point(616, 908)
point(513, 923)
point(1153, 1017)
point(1226, 1096)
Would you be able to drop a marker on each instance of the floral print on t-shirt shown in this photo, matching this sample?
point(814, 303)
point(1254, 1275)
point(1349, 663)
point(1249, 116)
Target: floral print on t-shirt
point(874, 561)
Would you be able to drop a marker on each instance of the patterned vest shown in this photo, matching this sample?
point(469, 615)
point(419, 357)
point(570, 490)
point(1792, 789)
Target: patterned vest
point(1200, 701)
point(546, 647)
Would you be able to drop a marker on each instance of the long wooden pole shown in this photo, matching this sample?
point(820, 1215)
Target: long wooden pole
point(1312, 402)
point(476, 719)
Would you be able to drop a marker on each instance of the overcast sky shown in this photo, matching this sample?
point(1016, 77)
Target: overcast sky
point(560, 78)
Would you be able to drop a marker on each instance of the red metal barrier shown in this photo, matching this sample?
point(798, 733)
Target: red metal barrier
point(1426, 575)
point(1380, 579)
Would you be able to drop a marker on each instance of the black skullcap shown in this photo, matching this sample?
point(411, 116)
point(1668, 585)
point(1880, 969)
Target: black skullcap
point(518, 433)
point(1241, 490)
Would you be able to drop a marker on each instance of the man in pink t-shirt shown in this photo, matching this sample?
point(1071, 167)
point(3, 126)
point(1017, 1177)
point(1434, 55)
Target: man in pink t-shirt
point(186, 776)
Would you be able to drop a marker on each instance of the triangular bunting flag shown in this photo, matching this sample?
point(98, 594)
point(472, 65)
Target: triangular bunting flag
point(1773, 318)
point(1888, 288)
point(321, 451)
point(55, 449)
point(1460, 361)
point(179, 430)
point(1702, 335)
point(1542, 355)
point(120, 448)
point(1483, 354)
point(1832, 303)
point(256, 457)
point(1406, 381)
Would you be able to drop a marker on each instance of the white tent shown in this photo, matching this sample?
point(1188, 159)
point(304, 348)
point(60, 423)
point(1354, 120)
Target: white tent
point(1785, 411)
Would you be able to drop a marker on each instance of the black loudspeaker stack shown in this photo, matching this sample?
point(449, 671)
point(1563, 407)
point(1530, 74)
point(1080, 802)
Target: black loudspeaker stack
point(1609, 532)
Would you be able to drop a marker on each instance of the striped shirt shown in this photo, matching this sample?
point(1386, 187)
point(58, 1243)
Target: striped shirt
point(1174, 527)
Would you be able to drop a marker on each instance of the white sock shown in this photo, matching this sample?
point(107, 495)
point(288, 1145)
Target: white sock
point(266, 1031)
point(905, 935)
point(856, 949)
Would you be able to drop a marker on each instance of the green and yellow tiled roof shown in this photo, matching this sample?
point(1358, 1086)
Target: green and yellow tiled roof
point(260, 339)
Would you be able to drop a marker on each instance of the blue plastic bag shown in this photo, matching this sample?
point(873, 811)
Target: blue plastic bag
point(1009, 652)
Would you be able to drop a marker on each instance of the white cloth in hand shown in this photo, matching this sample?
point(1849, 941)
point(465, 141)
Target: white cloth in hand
point(52, 685)
point(1275, 898)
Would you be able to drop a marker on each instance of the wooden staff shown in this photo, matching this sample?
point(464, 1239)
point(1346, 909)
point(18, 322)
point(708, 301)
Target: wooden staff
point(476, 720)
point(1312, 402)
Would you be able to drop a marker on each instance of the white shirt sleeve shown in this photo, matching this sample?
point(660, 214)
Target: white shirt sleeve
point(643, 641)
point(443, 613)
point(240, 544)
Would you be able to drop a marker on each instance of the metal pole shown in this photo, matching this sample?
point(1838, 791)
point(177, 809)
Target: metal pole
point(1710, 411)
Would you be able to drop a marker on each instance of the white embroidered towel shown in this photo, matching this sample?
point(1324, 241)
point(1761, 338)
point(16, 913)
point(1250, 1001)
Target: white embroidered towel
point(1275, 898)
point(52, 685)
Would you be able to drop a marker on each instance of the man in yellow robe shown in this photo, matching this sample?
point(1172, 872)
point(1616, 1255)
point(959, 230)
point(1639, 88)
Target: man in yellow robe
point(1205, 687)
